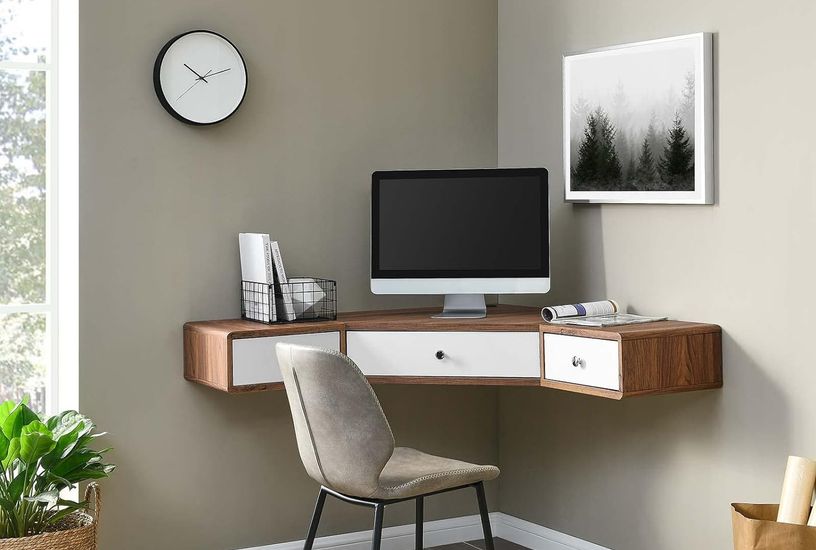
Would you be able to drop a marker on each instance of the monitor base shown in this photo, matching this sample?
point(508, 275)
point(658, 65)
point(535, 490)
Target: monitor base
point(463, 306)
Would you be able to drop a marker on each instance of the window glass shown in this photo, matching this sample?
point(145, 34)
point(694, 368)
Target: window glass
point(25, 30)
point(22, 358)
point(22, 187)
point(27, 364)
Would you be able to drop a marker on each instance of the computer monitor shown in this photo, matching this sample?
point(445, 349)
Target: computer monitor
point(461, 233)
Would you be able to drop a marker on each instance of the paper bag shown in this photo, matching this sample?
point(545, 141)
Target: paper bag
point(755, 528)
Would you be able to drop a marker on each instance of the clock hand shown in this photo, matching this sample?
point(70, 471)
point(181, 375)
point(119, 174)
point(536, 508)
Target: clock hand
point(195, 73)
point(217, 72)
point(194, 83)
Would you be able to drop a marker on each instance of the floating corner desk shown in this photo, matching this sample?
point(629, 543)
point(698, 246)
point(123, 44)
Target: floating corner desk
point(509, 347)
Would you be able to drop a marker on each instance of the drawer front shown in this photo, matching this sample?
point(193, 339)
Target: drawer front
point(585, 361)
point(254, 360)
point(464, 354)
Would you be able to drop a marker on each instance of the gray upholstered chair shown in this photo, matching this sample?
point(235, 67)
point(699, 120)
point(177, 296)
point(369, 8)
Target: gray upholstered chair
point(347, 446)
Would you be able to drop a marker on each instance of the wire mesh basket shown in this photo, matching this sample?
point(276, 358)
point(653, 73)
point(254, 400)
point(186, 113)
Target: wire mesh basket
point(300, 299)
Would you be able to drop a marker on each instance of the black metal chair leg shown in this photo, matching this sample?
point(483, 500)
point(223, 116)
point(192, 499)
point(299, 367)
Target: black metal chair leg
point(310, 536)
point(419, 519)
point(488, 532)
point(378, 524)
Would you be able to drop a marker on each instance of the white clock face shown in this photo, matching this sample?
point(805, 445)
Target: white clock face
point(200, 78)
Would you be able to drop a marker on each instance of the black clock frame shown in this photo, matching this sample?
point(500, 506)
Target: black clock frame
point(160, 93)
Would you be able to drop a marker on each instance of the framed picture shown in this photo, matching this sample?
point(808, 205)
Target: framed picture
point(638, 123)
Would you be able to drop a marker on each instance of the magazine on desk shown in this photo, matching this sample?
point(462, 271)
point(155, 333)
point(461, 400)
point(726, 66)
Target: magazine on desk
point(286, 306)
point(605, 313)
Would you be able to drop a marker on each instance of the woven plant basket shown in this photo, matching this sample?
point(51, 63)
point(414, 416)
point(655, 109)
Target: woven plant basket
point(76, 531)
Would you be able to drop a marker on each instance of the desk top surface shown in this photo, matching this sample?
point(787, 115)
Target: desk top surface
point(499, 318)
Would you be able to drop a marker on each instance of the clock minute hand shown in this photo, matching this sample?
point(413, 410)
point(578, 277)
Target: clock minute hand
point(218, 72)
point(195, 73)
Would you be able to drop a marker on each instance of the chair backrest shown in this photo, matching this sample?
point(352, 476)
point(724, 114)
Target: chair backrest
point(343, 436)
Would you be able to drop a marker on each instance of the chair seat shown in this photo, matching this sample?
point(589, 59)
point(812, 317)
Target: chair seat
point(409, 473)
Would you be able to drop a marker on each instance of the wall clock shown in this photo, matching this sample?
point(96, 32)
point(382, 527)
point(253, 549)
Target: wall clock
point(200, 77)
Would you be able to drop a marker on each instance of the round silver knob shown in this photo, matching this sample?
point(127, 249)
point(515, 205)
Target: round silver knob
point(577, 361)
point(440, 355)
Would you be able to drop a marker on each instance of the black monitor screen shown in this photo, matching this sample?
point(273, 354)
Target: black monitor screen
point(460, 223)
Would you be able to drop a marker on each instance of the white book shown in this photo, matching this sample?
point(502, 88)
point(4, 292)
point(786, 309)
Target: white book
point(287, 306)
point(256, 266)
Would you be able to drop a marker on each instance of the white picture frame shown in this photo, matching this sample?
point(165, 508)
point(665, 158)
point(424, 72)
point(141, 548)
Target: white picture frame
point(657, 73)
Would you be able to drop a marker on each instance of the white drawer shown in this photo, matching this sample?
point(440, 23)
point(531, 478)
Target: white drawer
point(254, 360)
point(585, 361)
point(477, 354)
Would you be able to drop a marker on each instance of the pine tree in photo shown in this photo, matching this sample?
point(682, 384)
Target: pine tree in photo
point(622, 149)
point(687, 105)
point(578, 118)
point(677, 163)
point(628, 180)
point(578, 113)
point(597, 167)
point(646, 178)
point(654, 137)
point(584, 169)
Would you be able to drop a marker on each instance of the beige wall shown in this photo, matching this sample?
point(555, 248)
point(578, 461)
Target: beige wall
point(660, 472)
point(336, 90)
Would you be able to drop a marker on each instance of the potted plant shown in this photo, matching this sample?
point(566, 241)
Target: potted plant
point(39, 460)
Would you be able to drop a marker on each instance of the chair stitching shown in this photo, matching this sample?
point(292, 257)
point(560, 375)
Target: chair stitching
point(438, 475)
point(306, 417)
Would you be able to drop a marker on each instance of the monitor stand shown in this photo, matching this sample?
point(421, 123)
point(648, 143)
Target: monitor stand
point(463, 306)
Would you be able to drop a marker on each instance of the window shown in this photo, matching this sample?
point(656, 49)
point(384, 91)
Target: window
point(29, 211)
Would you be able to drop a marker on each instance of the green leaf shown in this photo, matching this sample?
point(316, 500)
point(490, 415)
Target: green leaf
point(58, 482)
point(68, 440)
point(20, 416)
point(68, 421)
point(5, 410)
point(91, 471)
point(4, 446)
point(17, 486)
point(35, 426)
point(55, 421)
point(77, 459)
point(78, 476)
point(9, 508)
point(34, 446)
point(65, 445)
point(13, 453)
point(49, 498)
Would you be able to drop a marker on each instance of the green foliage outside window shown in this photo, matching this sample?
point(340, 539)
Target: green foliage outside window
point(22, 220)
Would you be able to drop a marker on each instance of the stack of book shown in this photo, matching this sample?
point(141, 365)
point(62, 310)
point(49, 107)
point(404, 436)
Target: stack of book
point(262, 264)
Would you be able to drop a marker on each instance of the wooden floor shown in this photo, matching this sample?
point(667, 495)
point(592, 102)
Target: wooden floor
point(499, 544)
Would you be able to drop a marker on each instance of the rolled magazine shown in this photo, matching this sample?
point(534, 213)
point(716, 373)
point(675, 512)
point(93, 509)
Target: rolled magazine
point(584, 309)
point(605, 313)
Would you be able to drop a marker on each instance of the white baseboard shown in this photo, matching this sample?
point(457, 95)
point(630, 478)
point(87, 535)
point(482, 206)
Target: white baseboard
point(448, 531)
point(535, 536)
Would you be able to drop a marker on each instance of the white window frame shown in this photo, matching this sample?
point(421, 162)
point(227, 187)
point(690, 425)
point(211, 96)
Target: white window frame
point(61, 192)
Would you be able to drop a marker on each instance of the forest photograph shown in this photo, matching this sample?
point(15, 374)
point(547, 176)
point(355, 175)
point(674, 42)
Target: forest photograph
point(630, 120)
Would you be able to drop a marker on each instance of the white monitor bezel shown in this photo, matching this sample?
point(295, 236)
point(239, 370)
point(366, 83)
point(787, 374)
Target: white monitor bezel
point(504, 285)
